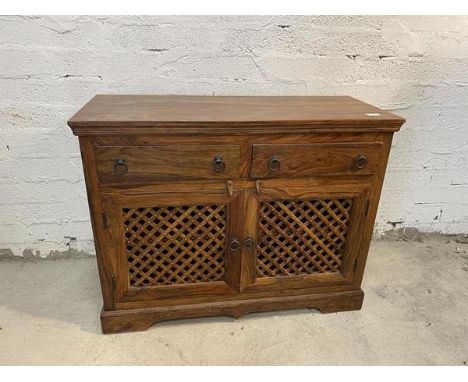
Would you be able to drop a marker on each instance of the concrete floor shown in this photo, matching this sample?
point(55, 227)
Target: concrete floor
point(415, 313)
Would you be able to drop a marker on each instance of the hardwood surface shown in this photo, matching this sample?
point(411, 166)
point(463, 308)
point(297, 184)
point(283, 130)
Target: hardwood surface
point(200, 111)
point(142, 319)
point(207, 206)
point(168, 162)
point(203, 263)
point(304, 236)
point(299, 160)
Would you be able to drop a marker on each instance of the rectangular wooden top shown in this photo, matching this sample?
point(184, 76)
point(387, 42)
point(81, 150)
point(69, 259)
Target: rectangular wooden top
point(106, 113)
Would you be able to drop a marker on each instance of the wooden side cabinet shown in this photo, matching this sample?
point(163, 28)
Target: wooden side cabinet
point(207, 206)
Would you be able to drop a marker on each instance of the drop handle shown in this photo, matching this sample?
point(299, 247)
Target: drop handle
point(120, 167)
point(249, 243)
point(361, 161)
point(235, 245)
point(274, 163)
point(218, 164)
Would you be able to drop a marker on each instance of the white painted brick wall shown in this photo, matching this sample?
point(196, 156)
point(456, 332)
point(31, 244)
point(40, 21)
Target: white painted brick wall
point(51, 66)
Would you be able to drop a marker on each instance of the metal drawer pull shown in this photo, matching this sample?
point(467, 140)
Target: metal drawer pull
point(235, 245)
point(274, 163)
point(218, 164)
point(248, 242)
point(361, 161)
point(120, 167)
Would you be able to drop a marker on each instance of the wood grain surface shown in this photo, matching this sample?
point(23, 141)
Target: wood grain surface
point(168, 162)
point(299, 160)
point(203, 111)
point(284, 220)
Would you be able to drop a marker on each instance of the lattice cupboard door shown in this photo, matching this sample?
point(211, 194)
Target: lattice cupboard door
point(169, 244)
point(304, 233)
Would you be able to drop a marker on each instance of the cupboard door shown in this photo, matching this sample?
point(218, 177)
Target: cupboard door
point(174, 244)
point(303, 233)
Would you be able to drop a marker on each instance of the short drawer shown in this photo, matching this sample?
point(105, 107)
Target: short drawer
point(315, 159)
point(167, 162)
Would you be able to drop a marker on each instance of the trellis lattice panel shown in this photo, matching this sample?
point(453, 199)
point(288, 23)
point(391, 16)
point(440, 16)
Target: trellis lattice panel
point(175, 245)
point(298, 237)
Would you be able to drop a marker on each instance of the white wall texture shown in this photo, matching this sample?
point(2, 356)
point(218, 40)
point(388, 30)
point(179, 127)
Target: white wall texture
point(50, 66)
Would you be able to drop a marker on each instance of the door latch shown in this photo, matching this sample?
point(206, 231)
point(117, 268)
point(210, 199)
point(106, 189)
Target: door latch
point(230, 187)
point(258, 186)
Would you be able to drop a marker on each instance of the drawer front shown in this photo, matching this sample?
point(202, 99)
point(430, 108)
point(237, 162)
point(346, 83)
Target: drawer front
point(315, 159)
point(154, 163)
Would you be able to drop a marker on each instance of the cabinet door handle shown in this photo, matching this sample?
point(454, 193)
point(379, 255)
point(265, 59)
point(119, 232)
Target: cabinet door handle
point(218, 164)
point(120, 167)
point(274, 163)
point(249, 243)
point(235, 245)
point(360, 161)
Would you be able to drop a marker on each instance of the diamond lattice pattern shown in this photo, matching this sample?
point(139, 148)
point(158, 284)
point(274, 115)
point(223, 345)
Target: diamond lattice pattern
point(302, 236)
point(175, 245)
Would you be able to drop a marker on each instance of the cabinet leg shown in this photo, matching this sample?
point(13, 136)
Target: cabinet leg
point(342, 305)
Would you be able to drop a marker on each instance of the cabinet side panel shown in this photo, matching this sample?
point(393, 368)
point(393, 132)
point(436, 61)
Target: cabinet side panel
point(372, 212)
point(95, 208)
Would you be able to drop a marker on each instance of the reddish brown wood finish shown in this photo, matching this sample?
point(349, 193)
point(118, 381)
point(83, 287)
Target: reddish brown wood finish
point(142, 319)
point(300, 160)
point(207, 206)
point(133, 111)
point(167, 162)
